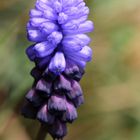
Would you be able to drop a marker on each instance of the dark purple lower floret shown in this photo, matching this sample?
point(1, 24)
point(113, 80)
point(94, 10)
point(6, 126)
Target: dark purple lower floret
point(71, 114)
point(62, 84)
point(29, 111)
point(57, 103)
point(44, 87)
point(71, 69)
point(75, 90)
point(78, 101)
point(58, 129)
point(33, 97)
point(36, 73)
point(45, 116)
point(49, 76)
point(43, 62)
point(78, 76)
point(74, 73)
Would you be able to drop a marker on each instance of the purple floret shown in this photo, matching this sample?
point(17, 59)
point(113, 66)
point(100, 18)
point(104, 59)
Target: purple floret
point(60, 52)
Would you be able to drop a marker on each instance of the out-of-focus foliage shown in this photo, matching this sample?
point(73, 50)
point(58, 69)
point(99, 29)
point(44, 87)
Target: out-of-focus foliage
point(111, 83)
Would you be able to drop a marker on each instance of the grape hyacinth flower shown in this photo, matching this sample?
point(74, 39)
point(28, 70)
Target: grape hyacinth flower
point(60, 52)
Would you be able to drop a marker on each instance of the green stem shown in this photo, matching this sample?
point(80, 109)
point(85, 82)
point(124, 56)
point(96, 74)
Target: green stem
point(42, 132)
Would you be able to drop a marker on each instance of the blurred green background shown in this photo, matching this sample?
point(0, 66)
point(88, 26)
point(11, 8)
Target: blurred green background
point(111, 84)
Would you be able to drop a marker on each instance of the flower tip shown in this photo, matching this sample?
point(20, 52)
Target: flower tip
point(58, 63)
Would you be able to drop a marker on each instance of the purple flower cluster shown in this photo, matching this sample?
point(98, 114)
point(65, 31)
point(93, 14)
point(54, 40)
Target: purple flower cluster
point(60, 52)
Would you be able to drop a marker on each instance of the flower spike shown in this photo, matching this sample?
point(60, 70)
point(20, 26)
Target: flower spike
point(60, 52)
